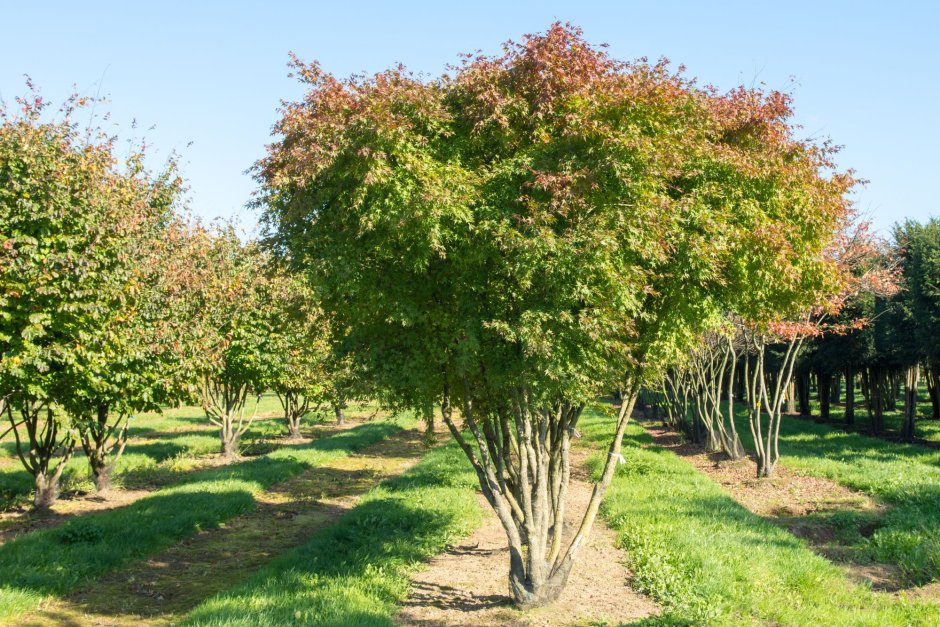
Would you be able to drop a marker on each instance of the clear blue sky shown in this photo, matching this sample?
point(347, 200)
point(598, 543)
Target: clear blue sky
point(213, 73)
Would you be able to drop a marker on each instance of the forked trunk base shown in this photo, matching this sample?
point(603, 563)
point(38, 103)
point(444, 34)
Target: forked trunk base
point(529, 595)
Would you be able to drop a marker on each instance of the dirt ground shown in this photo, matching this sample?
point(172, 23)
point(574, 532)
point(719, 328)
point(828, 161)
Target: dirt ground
point(16, 523)
point(787, 493)
point(468, 583)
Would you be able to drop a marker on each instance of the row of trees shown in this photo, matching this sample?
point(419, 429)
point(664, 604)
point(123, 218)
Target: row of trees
point(888, 357)
point(112, 303)
point(508, 243)
point(880, 338)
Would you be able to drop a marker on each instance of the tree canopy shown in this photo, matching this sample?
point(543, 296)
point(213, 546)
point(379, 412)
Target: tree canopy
point(77, 258)
point(550, 215)
point(533, 229)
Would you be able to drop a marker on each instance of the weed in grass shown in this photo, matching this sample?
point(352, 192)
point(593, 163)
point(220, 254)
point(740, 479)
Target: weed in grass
point(82, 532)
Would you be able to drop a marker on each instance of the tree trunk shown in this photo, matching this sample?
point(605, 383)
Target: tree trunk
point(765, 468)
point(699, 434)
point(103, 444)
point(45, 440)
point(228, 439)
point(292, 414)
point(224, 404)
point(340, 414)
point(429, 426)
point(876, 391)
point(866, 388)
point(910, 402)
point(849, 395)
point(229, 448)
point(791, 397)
point(100, 472)
point(528, 595)
point(47, 491)
point(521, 455)
point(103, 479)
point(835, 389)
point(803, 393)
point(293, 430)
point(892, 391)
point(767, 389)
point(933, 389)
point(825, 395)
point(295, 406)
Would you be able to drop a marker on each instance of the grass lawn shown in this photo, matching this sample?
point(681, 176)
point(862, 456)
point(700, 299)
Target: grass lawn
point(357, 571)
point(904, 476)
point(707, 559)
point(57, 560)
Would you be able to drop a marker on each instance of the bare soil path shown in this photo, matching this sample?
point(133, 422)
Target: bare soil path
point(161, 589)
point(468, 583)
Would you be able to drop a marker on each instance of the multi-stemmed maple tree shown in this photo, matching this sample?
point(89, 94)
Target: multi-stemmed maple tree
point(537, 228)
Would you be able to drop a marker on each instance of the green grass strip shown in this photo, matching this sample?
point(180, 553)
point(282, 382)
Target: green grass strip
point(358, 570)
point(905, 476)
point(58, 560)
point(709, 560)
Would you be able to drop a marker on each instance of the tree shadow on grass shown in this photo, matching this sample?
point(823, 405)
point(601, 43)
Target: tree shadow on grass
point(353, 439)
point(8, 447)
point(890, 549)
point(55, 560)
point(265, 467)
point(340, 576)
point(356, 571)
point(157, 451)
point(60, 559)
point(173, 581)
point(15, 485)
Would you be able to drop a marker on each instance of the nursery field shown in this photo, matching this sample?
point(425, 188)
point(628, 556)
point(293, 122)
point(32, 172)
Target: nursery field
point(550, 338)
point(288, 532)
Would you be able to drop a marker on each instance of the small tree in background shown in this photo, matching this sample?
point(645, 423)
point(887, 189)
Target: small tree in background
point(537, 229)
point(45, 441)
point(145, 361)
point(232, 330)
point(299, 342)
point(866, 272)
